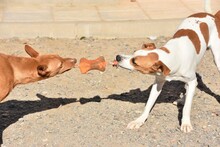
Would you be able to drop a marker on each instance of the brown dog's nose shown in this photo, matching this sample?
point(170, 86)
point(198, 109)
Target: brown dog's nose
point(74, 60)
point(71, 61)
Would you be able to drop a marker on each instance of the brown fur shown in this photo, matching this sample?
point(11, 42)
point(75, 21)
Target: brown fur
point(201, 15)
point(149, 64)
point(216, 17)
point(148, 46)
point(205, 32)
point(192, 36)
point(165, 49)
point(217, 22)
point(21, 70)
point(152, 46)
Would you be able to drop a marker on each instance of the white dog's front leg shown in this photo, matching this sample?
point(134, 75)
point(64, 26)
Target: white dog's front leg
point(190, 90)
point(155, 91)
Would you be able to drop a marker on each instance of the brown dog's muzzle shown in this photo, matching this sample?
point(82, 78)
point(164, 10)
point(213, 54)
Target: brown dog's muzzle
point(74, 61)
point(68, 64)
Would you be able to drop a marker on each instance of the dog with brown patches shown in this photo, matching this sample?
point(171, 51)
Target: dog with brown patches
point(176, 60)
point(21, 70)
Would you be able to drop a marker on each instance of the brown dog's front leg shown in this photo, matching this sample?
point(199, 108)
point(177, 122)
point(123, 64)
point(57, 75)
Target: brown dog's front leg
point(4, 93)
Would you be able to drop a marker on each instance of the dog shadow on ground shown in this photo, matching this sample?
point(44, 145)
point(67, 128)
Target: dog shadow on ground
point(11, 111)
point(171, 92)
point(201, 86)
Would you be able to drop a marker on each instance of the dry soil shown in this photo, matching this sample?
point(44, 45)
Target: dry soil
point(91, 110)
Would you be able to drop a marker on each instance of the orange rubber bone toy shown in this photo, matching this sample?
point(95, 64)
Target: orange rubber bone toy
point(86, 65)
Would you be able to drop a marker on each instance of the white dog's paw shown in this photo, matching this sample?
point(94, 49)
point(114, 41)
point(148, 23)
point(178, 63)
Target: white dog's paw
point(135, 124)
point(186, 127)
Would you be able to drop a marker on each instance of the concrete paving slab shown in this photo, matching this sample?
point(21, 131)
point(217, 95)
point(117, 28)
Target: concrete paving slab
point(1, 13)
point(105, 29)
point(165, 10)
point(76, 13)
point(52, 2)
point(27, 14)
point(215, 5)
point(130, 11)
point(95, 18)
point(196, 6)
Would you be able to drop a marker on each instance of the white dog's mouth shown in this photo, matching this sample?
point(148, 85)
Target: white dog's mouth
point(124, 61)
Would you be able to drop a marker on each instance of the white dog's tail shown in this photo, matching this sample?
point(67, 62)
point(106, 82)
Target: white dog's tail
point(207, 6)
point(215, 41)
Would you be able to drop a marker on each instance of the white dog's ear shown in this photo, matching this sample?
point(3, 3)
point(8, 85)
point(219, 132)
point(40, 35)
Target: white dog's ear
point(148, 46)
point(30, 51)
point(161, 67)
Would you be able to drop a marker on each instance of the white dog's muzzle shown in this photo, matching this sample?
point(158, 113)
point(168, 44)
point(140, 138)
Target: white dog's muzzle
point(124, 61)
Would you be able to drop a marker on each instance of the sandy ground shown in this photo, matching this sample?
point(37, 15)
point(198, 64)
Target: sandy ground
point(93, 110)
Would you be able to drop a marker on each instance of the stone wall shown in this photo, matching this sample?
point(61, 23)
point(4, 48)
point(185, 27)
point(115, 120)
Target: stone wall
point(20, 2)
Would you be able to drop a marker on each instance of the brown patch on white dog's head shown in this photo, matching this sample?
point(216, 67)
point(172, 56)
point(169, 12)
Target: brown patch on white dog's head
point(152, 46)
point(149, 64)
point(162, 68)
point(148, 46)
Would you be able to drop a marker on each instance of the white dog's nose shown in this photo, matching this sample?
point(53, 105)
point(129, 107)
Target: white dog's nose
point(118, 58)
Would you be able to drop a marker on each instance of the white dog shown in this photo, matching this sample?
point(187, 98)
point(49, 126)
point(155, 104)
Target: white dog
point(176, 60)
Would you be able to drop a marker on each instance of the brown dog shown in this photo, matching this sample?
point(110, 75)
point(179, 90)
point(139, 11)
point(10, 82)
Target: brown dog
point(21, 70)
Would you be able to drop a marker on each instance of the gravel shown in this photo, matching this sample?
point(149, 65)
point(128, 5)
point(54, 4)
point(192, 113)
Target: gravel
point(93, 109)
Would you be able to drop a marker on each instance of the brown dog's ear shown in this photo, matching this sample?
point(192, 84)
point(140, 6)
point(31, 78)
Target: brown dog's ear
point(42, 71)
point(161, 67)
point(148, 46)
point(30, 51)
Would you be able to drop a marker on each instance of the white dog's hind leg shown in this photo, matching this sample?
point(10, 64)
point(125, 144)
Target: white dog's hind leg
point(155, 91)
point(215, 47)
point(190, 90)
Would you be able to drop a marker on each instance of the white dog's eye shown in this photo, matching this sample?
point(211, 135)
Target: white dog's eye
point(133, 61)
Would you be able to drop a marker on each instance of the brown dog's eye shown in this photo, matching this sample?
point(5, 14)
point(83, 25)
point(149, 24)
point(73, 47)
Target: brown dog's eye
point(41, 68)
point(61, 65)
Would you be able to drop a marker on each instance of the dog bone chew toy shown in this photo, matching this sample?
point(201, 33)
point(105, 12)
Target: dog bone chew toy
point(86, 65)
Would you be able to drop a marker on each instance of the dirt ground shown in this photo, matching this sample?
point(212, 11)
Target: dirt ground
point(91, 110)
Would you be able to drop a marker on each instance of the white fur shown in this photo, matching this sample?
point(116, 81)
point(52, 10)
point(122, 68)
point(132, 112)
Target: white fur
point(182, 61)
point(207, 6)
